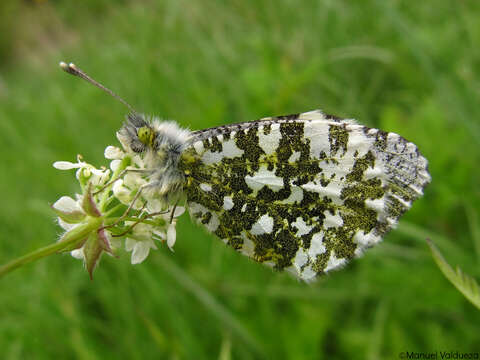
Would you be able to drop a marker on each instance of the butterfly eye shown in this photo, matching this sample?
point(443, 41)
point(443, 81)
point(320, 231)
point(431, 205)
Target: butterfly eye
point(145, 135)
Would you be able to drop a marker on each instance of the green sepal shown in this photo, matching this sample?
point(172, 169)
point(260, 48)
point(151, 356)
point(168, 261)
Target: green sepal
point(104, 243)
point(92, 251)
point(88, 204)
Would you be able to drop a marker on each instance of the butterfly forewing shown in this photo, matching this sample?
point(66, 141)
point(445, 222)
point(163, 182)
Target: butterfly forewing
point(305, 192)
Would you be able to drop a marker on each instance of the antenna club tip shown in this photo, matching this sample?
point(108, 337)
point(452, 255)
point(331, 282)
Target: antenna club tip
point(67, 67)
point(71, 69)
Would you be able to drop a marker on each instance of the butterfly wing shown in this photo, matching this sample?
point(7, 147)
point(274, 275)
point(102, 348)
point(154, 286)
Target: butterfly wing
point(305, 193)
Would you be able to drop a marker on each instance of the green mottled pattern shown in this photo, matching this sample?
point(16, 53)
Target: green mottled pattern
point(328, 189)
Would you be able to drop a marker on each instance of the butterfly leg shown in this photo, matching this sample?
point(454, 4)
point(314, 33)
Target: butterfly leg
point(145, 217)
point(125, 214)
point(173, 212)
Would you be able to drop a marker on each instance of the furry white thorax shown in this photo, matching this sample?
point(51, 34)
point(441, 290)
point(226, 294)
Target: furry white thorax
point(165, 180)
point(170, 133)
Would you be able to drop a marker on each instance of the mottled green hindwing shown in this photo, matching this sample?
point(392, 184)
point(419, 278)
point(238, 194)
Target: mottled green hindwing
point(305, 193)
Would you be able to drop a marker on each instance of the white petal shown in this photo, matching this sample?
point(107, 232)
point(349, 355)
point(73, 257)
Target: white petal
point(113, 152)
point(66, 226)
point(105, 177)
point(66, 204)
point(159, 233)
point(100, 177)
point(65, 165)
point(78, 254)
point(179, 210)
point(141, 234)
point(121, 192)
point(118, 187)
point(115, 164)
point(154, 205)
point(130, 244)
point(171, 236)
point(97, 172)
point(140, 252)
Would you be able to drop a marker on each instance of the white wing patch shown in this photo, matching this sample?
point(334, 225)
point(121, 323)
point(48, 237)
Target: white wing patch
point(302, 227)
point(228, 202)
point(264, 177)
point(264, 225)
point(269, 142)
point(229, 150)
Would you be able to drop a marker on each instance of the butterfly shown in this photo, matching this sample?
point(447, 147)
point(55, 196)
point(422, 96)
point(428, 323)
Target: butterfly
point(305, 193)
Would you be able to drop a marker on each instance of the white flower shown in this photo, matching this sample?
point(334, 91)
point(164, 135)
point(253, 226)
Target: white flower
point(171, 235)
point(140, 242)
point(114, 164)
point(78, 254)
point(171, 230)
point(116, 155)
point(133, 180)
point(141, 239)
point(140, 249)
point(126, 194)
point(64, 225)
point(65, 165)
point(126, 188)
point(121, 192)
point(179, 210)
point(113, 153)
point(92, 241)
point(155, 222)
point(70, 209)
point(96, 176)
point(67, 204)
point(154, 205)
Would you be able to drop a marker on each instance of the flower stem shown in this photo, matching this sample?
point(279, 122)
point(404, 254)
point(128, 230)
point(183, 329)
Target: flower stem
point(130, 218)
point(76, 234)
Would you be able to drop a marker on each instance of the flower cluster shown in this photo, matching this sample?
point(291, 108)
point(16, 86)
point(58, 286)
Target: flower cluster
point(111, 212)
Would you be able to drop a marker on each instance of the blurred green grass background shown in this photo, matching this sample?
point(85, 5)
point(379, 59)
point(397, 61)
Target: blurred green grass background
point(408, 67)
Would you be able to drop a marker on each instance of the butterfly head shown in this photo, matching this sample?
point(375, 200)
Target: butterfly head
point(138, 134)
point(160, 143)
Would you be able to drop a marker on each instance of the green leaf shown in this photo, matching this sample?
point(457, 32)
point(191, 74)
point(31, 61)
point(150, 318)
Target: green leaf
point(463, 282)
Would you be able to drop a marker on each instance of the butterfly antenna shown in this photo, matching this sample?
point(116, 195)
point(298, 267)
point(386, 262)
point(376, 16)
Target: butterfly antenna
point(72, 69)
